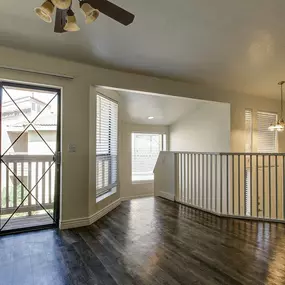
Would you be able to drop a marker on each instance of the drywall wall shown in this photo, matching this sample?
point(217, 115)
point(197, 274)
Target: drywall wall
point(206, 129)
point(75, 196)
point(164, 176)
point(128, 188)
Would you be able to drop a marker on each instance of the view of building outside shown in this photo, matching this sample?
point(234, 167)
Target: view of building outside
point(14, 122)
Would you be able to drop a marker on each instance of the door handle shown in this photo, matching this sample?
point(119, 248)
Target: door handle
point(57, 158)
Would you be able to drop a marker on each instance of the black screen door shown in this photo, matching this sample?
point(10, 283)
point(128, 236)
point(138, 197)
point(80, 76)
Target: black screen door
point(30, 157)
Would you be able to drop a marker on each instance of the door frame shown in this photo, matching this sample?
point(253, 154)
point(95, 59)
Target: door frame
point(57, 192)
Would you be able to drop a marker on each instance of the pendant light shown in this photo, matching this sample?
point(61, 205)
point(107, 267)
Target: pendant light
point(89, 12)
point(45, 11)
point(71, 24)
point(280, 124)
point(62, 4)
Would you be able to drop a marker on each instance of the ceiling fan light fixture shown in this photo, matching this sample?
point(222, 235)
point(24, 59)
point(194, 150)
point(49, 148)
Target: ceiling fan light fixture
point(71, 24)
point(62, 4)
point(272, 128)
point(45, 11)
point(280, 126)
point(89, 12)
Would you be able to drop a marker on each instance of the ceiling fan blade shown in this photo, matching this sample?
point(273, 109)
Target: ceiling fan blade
point(113, 11)
point(60, 21)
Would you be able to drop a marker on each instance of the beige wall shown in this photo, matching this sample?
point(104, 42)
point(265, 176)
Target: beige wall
point(206, 129)
point(128, 188)
point(75, 115)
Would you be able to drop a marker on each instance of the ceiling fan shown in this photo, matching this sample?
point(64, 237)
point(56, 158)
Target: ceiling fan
point(65, 20)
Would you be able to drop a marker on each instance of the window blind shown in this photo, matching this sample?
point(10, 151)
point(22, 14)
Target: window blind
point(248, 148)
point(106, 144)
point(266, 140)
point(248, 130)
point(145, 151)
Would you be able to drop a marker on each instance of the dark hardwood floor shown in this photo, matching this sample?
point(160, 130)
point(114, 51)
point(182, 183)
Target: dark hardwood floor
point(148, 241)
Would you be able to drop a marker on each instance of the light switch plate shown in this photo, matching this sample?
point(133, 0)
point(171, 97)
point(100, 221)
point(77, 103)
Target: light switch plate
point(72, 147)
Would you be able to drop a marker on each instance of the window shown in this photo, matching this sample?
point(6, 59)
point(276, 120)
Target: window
point(248, 148)
point(33, 106)
point(266, 143)
point(106, 144)
point(145, 151)
point(266, 140)
point(248, 130)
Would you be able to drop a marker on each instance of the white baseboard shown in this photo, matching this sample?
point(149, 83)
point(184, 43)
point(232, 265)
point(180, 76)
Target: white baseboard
point(103, 212)
point(74, 223)
point(136, 197)
point(166, 195)
point(83, 222)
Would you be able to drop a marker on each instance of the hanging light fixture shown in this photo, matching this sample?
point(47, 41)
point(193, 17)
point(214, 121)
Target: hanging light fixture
point(91, 9)
point(89, 12)
point(71, 24)
point(45, 11)
point(280, 124)
point(62, 4)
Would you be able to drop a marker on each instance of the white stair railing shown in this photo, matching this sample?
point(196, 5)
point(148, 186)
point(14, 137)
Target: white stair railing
point(241, 185)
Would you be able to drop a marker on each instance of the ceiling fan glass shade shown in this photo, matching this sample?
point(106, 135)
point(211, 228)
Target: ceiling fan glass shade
point(89, 12)
point(280, 126)
point(62, 4)
point(45, 11)
point(272, 128)
point(71, 25)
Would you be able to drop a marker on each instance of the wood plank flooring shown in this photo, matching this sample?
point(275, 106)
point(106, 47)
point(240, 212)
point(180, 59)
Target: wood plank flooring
point(148, 241)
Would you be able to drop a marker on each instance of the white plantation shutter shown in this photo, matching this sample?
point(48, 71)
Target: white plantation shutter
point(106, 144)
point(266, 140)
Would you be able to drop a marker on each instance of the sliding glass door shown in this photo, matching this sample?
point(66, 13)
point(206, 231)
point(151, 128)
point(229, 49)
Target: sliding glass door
point(30, 157)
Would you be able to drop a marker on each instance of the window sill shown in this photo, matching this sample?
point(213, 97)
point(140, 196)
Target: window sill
point(106, 195)
point(142, 181)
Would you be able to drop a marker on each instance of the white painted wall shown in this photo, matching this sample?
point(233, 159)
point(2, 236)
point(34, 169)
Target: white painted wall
point(127, 187)
point(206, 129)
point(164, 176)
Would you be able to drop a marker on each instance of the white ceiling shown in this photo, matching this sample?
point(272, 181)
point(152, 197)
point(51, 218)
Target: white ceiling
point(238, 45)
point(137, 107)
